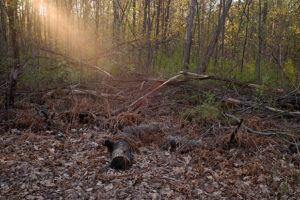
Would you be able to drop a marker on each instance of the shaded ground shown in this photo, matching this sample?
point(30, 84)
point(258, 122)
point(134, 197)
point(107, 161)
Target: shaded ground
point(51, 148)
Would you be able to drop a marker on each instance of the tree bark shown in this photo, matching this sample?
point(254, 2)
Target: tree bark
point(246, 37)
point(217, 43)
point(223, 29)
point(121, 157)
point(189, 35)
point(158, 18)
point(166, 22)
point(200, 19)
point(12, 12)
point(214, 40)
point(116, 24)
point(134, 18)
point(3, 31)
point(260, 40)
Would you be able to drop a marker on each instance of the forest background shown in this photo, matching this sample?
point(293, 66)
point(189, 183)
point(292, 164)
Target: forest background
point(45, 43)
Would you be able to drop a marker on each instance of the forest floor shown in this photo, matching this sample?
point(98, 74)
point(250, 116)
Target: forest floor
point(51, 146)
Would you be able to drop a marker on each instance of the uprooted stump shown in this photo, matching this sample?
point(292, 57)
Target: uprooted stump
point(121, 157)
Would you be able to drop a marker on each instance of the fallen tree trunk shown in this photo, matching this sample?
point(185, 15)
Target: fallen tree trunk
point(131, 106)
point(236, 101)
point(121, 157)
point(147, 133)
point(84, 92)
point(204, 77)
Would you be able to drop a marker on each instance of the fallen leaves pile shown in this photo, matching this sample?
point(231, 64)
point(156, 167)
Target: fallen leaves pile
point(61, 159)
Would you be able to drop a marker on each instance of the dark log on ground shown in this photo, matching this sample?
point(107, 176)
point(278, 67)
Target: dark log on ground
point(142, 130)
point(290, 102)
point(181, 145)
point(121, 157)
point(147, 133)
point(295, 148)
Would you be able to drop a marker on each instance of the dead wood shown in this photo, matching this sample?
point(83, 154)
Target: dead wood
point(234, 133)
point(205, 77)
point(287, 113)
point(257, 132)
point(77, 62)
point(145, 132)
point(84, 92)
point(121, 157)
point(180, 145)
point(131, 106)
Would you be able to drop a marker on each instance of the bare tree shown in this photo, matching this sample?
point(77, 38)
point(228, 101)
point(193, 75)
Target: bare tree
point(189, 35)
point(260, 40)
point(214, 39)
point(12, 13)
point(3, 30)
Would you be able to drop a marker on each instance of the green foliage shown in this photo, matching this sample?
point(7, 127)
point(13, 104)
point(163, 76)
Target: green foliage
point(208, 111)
point(203, 112)
point(169, 63)
point(48, 76)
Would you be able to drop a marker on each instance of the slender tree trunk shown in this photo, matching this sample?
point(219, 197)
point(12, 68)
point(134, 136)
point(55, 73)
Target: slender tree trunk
point(217, 43)
point(260, 40)
point(116, 20)
point(149, 24)
point(134, 18)
point(28, 26)
point(166, 22)
point(188, 37)
point(246, 37)
point(12, 12)
point(214, 40)
point(200, 20)
point(145, 16)
point(223, 30)
point(158, 18)
point(97, 17)
point(3, 31)
point(236, 42)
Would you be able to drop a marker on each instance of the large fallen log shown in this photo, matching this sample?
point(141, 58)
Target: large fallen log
point(121, 157)
point(143, 130)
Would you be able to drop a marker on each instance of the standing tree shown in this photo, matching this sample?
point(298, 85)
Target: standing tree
point(189, 35)
point(11, 90)
point(214, 39)
point(260, 40)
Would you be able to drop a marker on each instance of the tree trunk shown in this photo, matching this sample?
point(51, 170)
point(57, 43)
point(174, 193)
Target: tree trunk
point(12, 12)
point(188, 37)
point(246, 37)
point(116, 25)
point(134, 18)
point(166, 22)
point(97, 10)
point(145, 16)
point(3, 31)
point(217, 44)
point(121, 157)
point(149, 24)
point(223, 29)
point(200, 19)
point(214, 39)
point(260, 40)
point(158, 18)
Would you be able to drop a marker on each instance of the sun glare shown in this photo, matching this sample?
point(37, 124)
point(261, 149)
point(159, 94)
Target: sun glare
point(64, 27)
